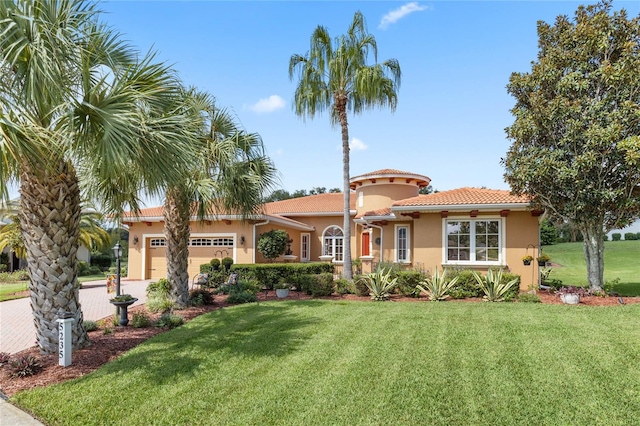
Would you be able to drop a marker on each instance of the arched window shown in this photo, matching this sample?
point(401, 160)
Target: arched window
point(333, 242)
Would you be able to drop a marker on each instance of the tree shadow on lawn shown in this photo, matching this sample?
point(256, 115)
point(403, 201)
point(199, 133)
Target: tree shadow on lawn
point(252, 330)
point(627, 289)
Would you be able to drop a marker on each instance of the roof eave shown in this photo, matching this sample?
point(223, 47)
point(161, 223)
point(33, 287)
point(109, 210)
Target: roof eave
point(464, 207)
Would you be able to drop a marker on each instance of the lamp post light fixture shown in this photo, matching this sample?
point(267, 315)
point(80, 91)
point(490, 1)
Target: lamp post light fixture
point(117, 251)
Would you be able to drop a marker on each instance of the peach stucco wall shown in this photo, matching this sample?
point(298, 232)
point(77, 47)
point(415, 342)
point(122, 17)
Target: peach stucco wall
point(426, 241)
point(425, 233)
point(380, 195)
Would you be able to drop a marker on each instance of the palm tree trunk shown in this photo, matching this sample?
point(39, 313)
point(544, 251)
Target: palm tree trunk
point(176, 230)
point(50, 215)
point(341, 107)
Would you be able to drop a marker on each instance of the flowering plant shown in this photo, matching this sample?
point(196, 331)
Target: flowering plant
point(544, 257)
point(122, 298)
point(527, 258)
point(573, 290)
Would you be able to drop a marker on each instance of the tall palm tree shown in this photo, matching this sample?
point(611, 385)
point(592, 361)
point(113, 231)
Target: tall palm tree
point(231, 175)
point(80, 114)
point(334, 75)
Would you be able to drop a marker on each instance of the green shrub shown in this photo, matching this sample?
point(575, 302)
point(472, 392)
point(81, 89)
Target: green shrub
point(514, 290)
point(380, 284)
point(90, 325)
point(437, 286)
point(466, 285)
point(408, 282)
point(529, 298)
point(169, 320)
point(605, 237)
point(10, 277)
point(244, 296)
point(83, 268)
point(162, 287)
point(102, 261)
point(493, 285)
point(269, 274)
point(344, 286)
point(317, 285)
point(553, 283)
point(215, 264)
point(242, 292)
point(24, 366)
point(226, 263)
point(616, 236)
point(140, 320)
point(159, 304)
point(360, 286)
point(200, 297)
point(629, 236)
point(273, 243)
point(3, 267)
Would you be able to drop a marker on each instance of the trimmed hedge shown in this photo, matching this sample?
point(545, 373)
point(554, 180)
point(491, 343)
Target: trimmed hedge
point(316, 285)
point(269, 274)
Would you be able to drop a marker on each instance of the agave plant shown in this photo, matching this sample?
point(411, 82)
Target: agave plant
point(437, 286)
point(492, 286)
point(380, 283)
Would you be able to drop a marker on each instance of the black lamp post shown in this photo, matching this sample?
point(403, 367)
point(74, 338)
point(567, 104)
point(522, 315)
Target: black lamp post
point(117, 251)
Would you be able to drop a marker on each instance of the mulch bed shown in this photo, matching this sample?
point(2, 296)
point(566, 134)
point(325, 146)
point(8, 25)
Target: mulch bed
point(107, 347)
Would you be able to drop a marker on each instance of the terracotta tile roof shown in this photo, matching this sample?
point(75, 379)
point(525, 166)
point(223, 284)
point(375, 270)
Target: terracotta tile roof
point(464, 196)
point(384, 172)
point(380, 212)
point(389, 175)
point(144, 213)
point(321, 203)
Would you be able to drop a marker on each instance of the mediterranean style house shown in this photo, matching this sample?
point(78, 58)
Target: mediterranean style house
point(391, 222)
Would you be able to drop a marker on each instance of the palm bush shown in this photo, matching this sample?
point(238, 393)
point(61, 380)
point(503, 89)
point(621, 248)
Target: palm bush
point(494, 288)
point(437, 286)
point(379, 283)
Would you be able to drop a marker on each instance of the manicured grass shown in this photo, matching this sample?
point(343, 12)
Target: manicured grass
point(344, 363)
point(8, 290)
point(621, 260)
point(92, 278)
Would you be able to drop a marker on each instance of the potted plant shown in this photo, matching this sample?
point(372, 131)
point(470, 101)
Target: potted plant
point(122, 302)
point(571, 295)
point(282, 289)
point(527, 259)
point(543, 259)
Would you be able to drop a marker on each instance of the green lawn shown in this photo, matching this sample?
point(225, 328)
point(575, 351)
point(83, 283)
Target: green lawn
point(621, 260)
point(368, 363)
point(11, 290)
point(8, 290)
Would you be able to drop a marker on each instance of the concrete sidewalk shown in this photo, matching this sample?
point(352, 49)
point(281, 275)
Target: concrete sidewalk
point(17, 331)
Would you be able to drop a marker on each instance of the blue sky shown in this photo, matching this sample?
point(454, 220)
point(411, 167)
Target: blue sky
point(455, 56)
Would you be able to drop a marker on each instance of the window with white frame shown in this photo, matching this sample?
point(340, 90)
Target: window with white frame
point(477, 240)
point(402, 243)
point(157, 242)
point(200, 242)
point(333, 242)
point(211, 242)
point(305, 242)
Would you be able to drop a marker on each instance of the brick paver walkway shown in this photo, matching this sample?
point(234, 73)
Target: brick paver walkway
point(17, 331)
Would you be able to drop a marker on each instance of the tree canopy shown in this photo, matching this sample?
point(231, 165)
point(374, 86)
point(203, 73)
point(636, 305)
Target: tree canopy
point(576, 134)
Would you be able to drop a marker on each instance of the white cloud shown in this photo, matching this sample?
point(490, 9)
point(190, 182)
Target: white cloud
point(397, 14)
point(357, 145)
point(269, 104)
